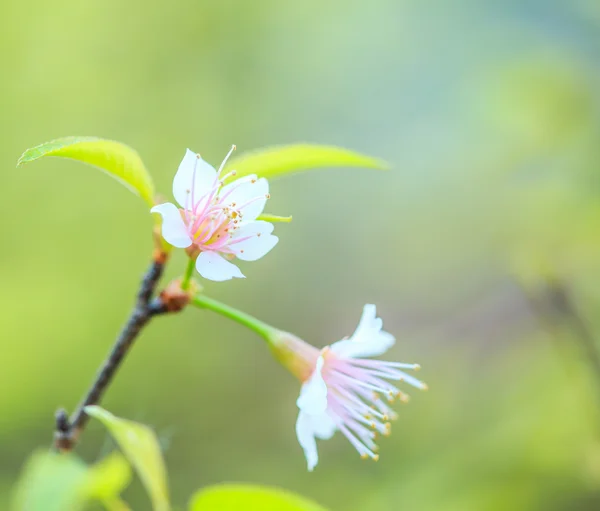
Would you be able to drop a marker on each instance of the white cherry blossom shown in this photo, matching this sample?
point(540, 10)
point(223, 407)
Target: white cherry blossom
point(214, 220)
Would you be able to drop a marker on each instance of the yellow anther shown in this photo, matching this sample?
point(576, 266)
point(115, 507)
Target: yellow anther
point(376, 457)
point(424, 387)
point(268, 196)
point(364, 456)
point(417, 367)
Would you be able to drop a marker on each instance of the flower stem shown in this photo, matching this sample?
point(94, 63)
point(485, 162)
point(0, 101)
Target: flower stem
point(261, 328)
point(189, 271)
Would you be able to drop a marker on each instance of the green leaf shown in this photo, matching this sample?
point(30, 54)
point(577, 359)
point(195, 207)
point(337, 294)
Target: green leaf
point(61, 482)
point(275, 218)
point(242, 497)
point(280, 160)
point(107, 479)
point(50, 482)
point(116, 159)
point(140, 445)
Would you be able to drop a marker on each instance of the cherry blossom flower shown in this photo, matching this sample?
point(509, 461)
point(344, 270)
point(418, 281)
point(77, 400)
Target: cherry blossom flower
point(216, 222)
point(342, 388)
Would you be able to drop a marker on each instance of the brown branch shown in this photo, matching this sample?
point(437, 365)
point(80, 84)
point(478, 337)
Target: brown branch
point(554, 303)
point(68, 430)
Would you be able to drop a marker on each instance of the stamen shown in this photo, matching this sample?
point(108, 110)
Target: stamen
point(229, 174)
point(260, 197)
point(357, 444)
point(234, 186)
point(367, 381)
point(225, 160)
point(381, 363)
point(194, 177)
point(357, 382)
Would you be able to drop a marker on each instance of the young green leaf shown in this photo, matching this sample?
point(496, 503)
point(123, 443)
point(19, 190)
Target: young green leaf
point(140, 445)
point(249, 498)
point(50, 482)
point(118, 160)
point(62, 482)
point(280, 160)
point(107, 479)
point(274, 218)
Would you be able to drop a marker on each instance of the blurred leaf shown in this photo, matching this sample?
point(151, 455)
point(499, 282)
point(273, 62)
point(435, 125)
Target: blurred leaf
point(275, 218)
point(107, 480)
point(140, 445)
point(276, 161)
point(541, 101)
point(116, 159)
point(249, 498)
point(50, 482)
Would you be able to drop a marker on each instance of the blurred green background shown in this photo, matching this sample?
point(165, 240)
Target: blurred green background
point(489, 113)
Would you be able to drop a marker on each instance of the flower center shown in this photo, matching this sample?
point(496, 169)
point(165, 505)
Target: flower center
point(213, 218)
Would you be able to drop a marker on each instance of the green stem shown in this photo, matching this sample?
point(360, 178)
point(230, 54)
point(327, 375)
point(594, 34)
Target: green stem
point(261, 328)
point(189, 271)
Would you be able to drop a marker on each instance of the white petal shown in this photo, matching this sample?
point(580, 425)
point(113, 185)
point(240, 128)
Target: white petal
point(309, 427)
point(323, 426)
point(313, 394)
point(244, 190)
point(259, 243)
point(369, 340)
point(307, 441)
point(213, 267)
point(173, 227)
point(194, 174)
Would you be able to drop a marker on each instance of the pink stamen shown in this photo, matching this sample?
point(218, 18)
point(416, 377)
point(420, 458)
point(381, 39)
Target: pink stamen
point(356, 443)
point(260, 197)
point(239, 240)
point(235, 186)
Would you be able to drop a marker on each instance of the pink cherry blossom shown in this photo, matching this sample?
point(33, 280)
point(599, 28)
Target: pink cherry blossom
point(215, 220)
point(342, 389)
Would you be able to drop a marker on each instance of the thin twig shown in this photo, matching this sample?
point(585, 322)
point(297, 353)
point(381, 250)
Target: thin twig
point(68, 431)
point(562, 302)
point(554, 302)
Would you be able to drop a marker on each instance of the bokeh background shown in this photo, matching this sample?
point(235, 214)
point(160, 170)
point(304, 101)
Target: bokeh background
point(480, 246)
